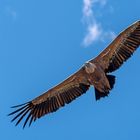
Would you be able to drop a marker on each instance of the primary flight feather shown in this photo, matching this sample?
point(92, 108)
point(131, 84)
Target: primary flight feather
point(92, 73)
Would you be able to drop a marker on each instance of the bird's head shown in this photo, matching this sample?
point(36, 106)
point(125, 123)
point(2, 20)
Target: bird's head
point(89, 67)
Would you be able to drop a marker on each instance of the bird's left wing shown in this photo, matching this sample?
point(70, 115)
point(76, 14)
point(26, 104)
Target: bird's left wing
point(53, 99)
point(120, 49)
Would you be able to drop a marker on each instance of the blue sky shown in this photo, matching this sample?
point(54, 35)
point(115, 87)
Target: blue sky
point(42, 43)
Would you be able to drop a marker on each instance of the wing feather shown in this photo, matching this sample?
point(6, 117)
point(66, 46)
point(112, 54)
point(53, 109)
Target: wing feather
point(120, 49)
point(52, 100)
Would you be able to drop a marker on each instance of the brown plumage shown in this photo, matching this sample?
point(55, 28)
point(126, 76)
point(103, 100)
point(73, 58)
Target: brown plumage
point(92, 73)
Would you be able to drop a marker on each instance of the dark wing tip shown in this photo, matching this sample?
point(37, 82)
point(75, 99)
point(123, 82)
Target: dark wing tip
point(19, 105)
point(22, 111)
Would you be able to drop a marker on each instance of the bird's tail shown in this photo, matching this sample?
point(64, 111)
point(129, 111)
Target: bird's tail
point(98, 94)
point(111, 79)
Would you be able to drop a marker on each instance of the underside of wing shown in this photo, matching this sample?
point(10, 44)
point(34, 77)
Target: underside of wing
point(120, 49)
point(52, 100)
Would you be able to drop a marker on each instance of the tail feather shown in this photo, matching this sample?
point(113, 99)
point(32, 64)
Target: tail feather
point(98, 94)
point(111, 79)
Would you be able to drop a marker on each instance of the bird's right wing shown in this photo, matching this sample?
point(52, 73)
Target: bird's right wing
point(53, 99)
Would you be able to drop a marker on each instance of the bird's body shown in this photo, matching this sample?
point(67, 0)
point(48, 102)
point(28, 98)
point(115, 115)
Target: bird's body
point(96, 76)
point(94, 72)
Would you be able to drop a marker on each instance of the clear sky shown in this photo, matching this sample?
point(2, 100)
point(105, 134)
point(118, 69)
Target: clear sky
point(42, 43)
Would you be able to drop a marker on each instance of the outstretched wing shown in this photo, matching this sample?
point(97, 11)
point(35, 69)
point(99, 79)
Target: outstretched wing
point(53, 99)
point(120, 49)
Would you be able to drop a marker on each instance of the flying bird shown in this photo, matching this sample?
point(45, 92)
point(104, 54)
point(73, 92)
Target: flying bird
point(94, 72)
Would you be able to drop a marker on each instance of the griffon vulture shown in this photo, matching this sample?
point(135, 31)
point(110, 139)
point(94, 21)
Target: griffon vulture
point(94, 72)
